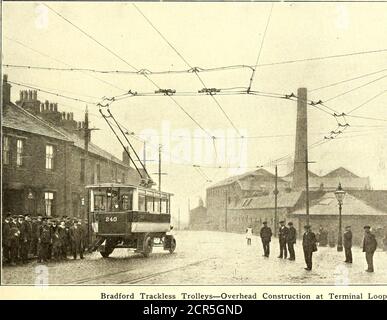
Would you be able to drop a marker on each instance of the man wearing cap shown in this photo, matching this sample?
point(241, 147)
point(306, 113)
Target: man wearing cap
point(25, 237)
point(76, 236)
point(309, 246)
point(56, 241)
point(282, 236)
point(369, 247)
point(34, 239)
point(44, 240)
point(14, 234)
point(63, 236)
point(348, 244)
point(291, 241)
point(266, 234)
point(6, 237)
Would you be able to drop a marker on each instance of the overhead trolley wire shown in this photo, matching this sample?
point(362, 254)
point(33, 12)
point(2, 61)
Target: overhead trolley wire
point(188, 64)
point(260, 48)
point(366, 102)
point(126, 62)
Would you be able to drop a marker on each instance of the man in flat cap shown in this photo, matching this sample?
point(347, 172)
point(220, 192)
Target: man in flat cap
point(291, 240)
point(309, 245)
point(14, 235)
point(25, 237)
point(6, 237)
point(348, 244)
point(76, 236)
point(282, 236)
point(266, 234)
point(44, 240)
point(369, 247)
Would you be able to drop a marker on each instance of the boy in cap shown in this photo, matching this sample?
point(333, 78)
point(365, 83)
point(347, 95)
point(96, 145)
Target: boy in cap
point(309, 245)
point(369, 247)
point(348, 244)
point(266, 234)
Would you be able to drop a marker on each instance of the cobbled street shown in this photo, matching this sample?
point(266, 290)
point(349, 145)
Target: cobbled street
point(201, 258)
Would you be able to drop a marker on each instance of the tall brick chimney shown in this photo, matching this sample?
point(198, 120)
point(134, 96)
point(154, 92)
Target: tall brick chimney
point(299, 174)
point(6, 90)
point(29, 101)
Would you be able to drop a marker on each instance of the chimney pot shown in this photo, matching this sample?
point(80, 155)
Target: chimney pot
point(68, 116)
point(55, 107)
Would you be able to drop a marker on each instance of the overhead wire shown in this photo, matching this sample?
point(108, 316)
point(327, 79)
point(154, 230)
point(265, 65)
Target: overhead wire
point(189, 65)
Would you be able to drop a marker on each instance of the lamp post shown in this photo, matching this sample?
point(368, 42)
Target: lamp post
point(340, 194)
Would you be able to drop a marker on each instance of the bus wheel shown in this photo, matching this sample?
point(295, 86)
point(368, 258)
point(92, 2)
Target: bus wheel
point(148, 246)
point(172, 245)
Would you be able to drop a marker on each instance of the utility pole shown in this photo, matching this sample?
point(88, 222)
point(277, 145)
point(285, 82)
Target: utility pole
point(276, 201)
point(159, 173)
point(306, 162)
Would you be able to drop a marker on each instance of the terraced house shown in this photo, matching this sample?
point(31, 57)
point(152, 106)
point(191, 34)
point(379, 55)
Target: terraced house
point(47, 159)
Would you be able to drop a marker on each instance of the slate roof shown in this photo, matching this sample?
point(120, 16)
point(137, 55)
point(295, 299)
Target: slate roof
point(17, 118)
point(284, 200)
point(327, 205)
point(341, 172)
point(261, 176)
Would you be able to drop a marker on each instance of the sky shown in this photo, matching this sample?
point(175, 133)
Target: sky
point(209, 35)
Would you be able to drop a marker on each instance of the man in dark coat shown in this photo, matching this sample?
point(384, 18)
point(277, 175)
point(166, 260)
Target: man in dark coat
point(266, 234)
point(14, 235)
point(291, 241)
point(34, 240)
point(282, 236)
point(44, 240)
point(63, 236)
point(369, 247)
point(25, 237)
point(348, 244)
point(76, 236)
point(6, 227)
point(309, 245)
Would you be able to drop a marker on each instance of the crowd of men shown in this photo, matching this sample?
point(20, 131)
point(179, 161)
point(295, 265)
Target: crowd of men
point(287, 236)
point(26, 237)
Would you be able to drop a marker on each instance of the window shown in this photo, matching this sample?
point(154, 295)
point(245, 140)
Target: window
point(49, 157)
point(127, 201)
point(141, 201)
point(123, 177)
point(82, 177)
point(157, 204)
point(49, 203)
point(19, 152)
point(6, 150)
point(149, 203)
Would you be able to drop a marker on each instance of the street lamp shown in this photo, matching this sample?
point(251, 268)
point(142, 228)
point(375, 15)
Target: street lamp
point(340, 194)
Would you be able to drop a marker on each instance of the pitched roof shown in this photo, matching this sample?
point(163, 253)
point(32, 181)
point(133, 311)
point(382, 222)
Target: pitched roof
point(341, 172)
point(261, 175)
point(327, 205)
point(17, 118)
point(284, 200)
point(374, 198)
point(311, 174)
point(347, 183)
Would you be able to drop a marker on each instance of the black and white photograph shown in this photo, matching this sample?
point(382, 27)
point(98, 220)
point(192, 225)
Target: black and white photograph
point(194, 144)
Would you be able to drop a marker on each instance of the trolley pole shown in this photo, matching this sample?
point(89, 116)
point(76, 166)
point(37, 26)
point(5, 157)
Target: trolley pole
point(160, 167)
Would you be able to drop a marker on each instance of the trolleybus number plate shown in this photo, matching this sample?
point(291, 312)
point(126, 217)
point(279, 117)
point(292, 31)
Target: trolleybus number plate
point(111, 219)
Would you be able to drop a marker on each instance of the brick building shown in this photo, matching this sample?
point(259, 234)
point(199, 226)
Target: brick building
point(45, 166)
point(198, 217)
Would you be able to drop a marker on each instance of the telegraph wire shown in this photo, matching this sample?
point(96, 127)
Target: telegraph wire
point(61, 62)
point(353, 89)
point(52, 93)
point(260, 48)
point(347, 80)
point(189, 65)
point(369, 100)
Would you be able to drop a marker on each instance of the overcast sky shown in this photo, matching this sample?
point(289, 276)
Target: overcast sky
point(213, 35)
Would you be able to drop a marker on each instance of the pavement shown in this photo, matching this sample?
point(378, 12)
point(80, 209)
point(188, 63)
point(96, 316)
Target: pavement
point(205, 258)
